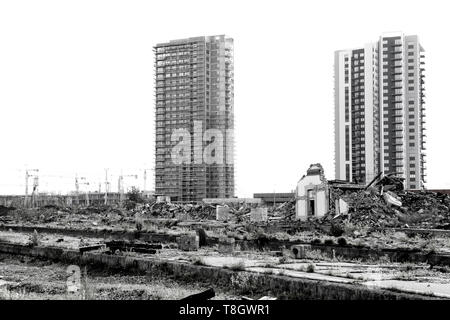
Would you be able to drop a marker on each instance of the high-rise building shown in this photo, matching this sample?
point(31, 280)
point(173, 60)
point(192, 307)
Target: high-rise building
point(194, 99)
point(379, 111)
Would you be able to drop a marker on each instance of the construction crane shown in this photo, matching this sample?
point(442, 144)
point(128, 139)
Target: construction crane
point(107, 184)
point(77, 188)
point(145, 178)
point(28, 174)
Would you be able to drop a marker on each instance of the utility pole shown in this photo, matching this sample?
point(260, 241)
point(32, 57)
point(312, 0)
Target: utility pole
point(145, 180)
point(77, 189)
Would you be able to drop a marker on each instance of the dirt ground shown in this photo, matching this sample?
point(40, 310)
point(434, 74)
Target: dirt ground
point(25, 278)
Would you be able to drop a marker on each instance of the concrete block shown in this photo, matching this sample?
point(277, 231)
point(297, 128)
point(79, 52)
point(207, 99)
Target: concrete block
point(188, 242)
point(226, 245)
point(222, 213)
point(299, 251)
point(258, 215)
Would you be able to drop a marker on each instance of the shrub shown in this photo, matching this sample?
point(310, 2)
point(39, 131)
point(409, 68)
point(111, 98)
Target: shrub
point(239, 266)
point(329, 242)
point(134, 196)
point(139, 222)
point(282, 260)
point(35, 239)
point(316, 241)
point(202, 237)
point(342, 242)
point(310, 268)
point(336, 230)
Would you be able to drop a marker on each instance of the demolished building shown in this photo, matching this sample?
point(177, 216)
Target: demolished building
point(311, 194)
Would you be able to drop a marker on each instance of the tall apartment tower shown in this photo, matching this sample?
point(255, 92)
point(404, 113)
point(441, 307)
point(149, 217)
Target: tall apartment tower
point(379, 111)
point(194, 95)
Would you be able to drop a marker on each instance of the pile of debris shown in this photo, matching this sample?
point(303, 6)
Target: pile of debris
point(283, 212)
point(384, 203)
point(172, 210)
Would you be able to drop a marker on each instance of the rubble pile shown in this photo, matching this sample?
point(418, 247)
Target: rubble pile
point(172, 210)
point(386, 204)
point(285, 211)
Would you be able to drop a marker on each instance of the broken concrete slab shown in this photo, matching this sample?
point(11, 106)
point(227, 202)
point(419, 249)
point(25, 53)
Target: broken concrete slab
point(258, 215)
point(223, 213)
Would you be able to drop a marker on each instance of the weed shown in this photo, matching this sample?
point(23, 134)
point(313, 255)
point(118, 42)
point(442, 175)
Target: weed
point(35, 239)
point(282, 260)
point(310, 268)
point(238, 266)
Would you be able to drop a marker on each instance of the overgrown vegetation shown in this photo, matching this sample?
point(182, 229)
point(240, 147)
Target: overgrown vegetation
point(35, 239)
point(134, 197)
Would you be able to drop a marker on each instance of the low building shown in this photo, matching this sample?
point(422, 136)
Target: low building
point(232, 200)
point(275, 198)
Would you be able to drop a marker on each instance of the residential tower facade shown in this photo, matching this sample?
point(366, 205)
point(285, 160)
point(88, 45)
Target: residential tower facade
point(194, 93)
point(379, 111)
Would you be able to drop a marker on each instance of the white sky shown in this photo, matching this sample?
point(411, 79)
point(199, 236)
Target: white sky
point(76, 83)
